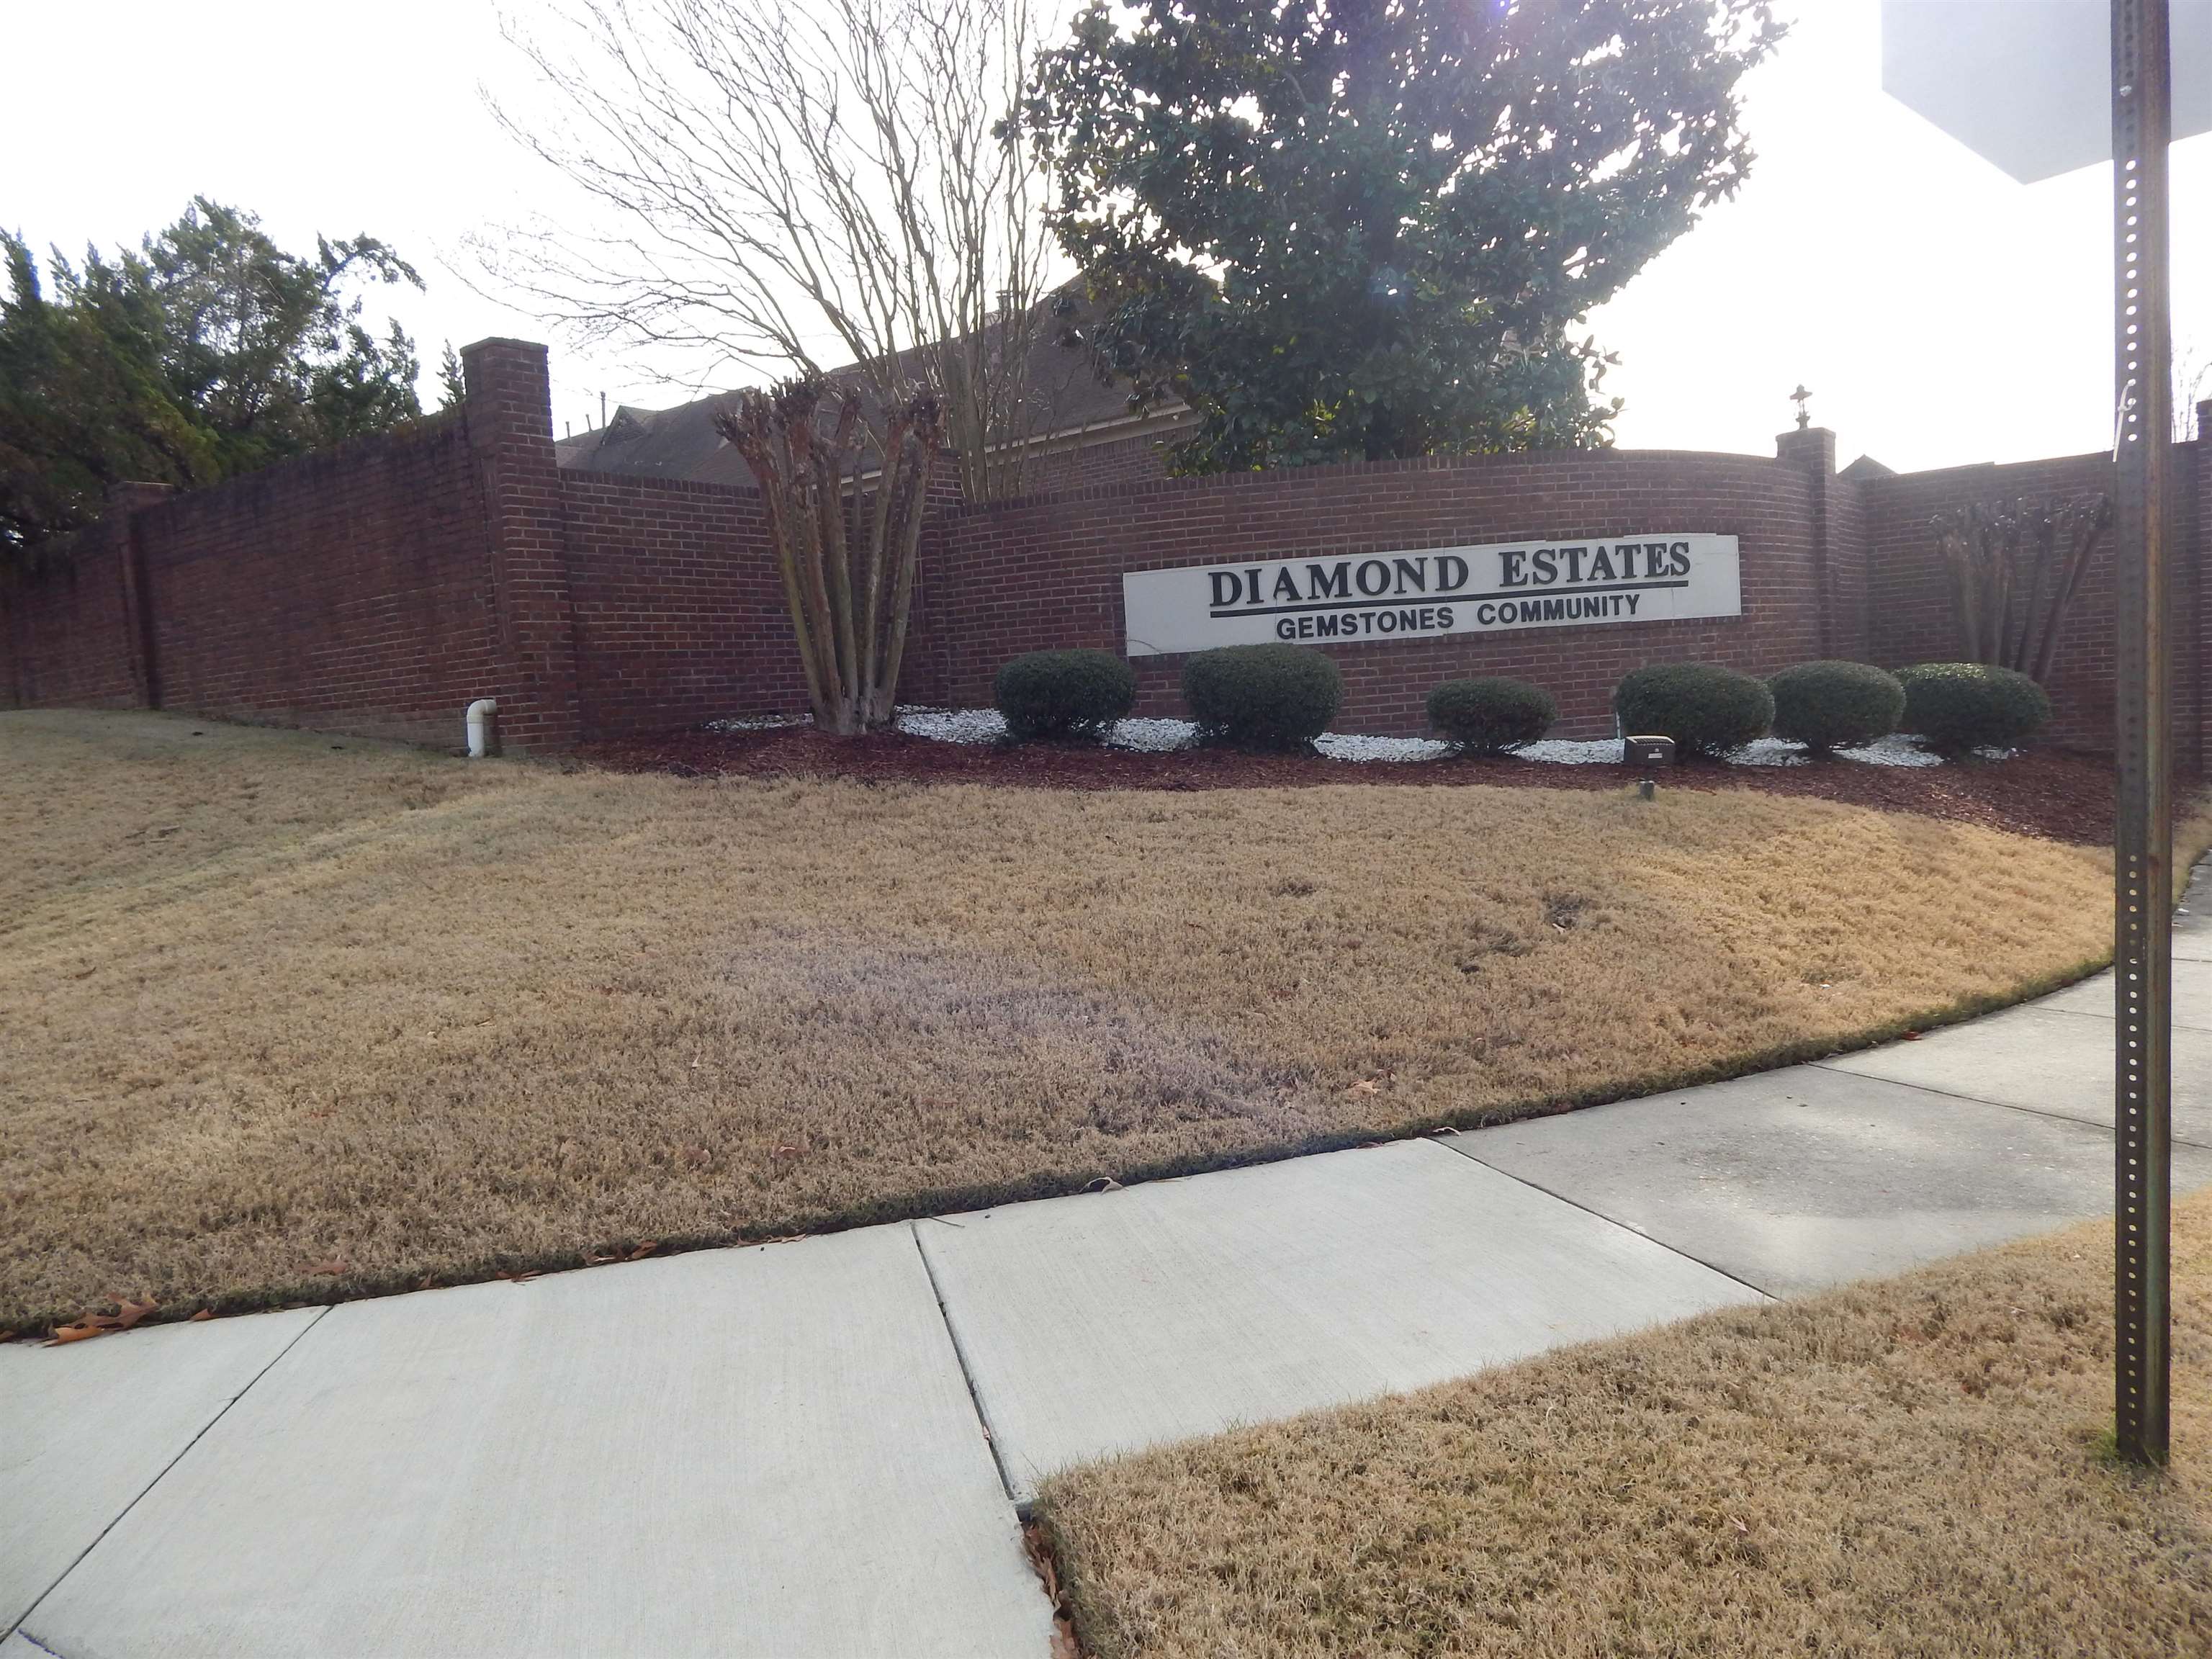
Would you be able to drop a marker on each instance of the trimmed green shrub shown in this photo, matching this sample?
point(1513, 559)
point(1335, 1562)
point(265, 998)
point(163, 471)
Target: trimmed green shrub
point(1064, 694)
point(1261, 697)
point(1835, 705)
point(1953, 706)
point(1708, 710)
point(1491, 716)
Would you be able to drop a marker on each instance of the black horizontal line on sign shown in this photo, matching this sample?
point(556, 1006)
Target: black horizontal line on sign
point(1512, 597)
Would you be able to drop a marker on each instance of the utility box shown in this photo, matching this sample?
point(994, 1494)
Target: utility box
point(1647, 751)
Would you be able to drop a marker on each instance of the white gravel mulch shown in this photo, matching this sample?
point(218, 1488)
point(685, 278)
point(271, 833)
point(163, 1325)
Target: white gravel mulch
point(1154, 736)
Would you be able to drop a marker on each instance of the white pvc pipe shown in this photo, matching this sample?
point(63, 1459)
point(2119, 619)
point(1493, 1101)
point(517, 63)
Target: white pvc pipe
point(480, 726)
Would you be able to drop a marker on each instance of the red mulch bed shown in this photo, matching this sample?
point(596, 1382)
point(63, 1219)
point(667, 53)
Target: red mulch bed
point(2046, 792)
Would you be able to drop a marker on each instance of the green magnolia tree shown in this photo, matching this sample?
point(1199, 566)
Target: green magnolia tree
point(1347, 229)
point(206, 351)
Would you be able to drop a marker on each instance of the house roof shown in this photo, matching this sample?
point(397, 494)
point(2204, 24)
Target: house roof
point(682, 442)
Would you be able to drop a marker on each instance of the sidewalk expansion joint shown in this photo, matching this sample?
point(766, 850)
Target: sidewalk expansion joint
point(2003, 1105)
point(2108, 1018)
point(967, 1373)
point(1759, 1290)
point(77, 1561)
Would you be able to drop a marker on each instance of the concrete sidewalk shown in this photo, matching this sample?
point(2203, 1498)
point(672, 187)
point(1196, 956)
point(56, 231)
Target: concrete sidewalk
point(818, 1448)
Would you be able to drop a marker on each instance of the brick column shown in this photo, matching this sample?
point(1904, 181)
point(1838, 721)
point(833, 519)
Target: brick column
point(1813, 449)
point(120, 521)
point(510, 412)
point(2193, 554)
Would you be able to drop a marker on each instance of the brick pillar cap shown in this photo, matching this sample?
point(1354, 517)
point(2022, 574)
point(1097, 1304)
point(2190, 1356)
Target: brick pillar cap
point(1810, 442)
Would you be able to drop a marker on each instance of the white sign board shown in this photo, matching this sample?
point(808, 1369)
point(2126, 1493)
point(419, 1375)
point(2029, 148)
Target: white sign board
point(1431, 592)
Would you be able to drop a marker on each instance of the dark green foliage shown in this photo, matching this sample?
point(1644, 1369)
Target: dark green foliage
point(1709, 711)
point(1064, 694)
point(1344, 230)
point(1491, 716)
point(207, 351)
point(1952, 707)
point(1261, 697)
point(1835, 705)
point(453, 385)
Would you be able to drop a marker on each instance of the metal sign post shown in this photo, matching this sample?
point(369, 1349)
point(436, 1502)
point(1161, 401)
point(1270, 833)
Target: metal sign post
point(2017, 85)
point(2142, 839)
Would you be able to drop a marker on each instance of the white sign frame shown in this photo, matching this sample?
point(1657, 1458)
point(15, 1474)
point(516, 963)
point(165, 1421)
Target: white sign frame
point(1432, 593)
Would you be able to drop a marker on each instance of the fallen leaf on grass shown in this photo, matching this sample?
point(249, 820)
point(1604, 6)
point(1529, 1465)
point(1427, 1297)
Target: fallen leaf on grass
point(593, 1259)
point(204, 1313)
point(128, 1313)
point(1366, 1085)
point(522, 1278)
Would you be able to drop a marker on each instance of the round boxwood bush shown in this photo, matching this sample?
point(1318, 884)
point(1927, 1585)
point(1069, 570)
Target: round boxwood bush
point(1835, 705)
point(1708, 710)
point(1261, 697)
point(1491, 716)
point(1064, 694)
point(1957, 706)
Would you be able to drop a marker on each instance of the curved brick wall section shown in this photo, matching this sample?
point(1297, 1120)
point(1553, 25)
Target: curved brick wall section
point(1047, 572)
point(1910, 614)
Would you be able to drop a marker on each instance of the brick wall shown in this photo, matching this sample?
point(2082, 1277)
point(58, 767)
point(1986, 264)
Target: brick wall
point(381, 588)
point(2194, 650)
point(65, 636)
point(679, 610)
point(1140, 458)
point(1046, 573)
point(1909, 609)
point(348, 590)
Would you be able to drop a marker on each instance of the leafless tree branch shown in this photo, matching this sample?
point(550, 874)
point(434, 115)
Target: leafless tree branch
point(778, 180)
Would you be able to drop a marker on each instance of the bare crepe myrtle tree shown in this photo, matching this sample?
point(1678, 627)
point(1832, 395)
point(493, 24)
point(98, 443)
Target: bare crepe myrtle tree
point(774, 183)
point(847, 534)
point(2015, 568)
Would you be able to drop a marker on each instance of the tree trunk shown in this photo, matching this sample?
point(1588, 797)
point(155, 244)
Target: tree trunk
point(846, 546)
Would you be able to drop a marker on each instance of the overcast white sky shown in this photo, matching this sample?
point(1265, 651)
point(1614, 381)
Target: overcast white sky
point(1939, 311)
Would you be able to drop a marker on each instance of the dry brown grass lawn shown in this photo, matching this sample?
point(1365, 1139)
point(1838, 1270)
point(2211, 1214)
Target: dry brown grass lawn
point(1905, 1468)
point(269, 1005)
